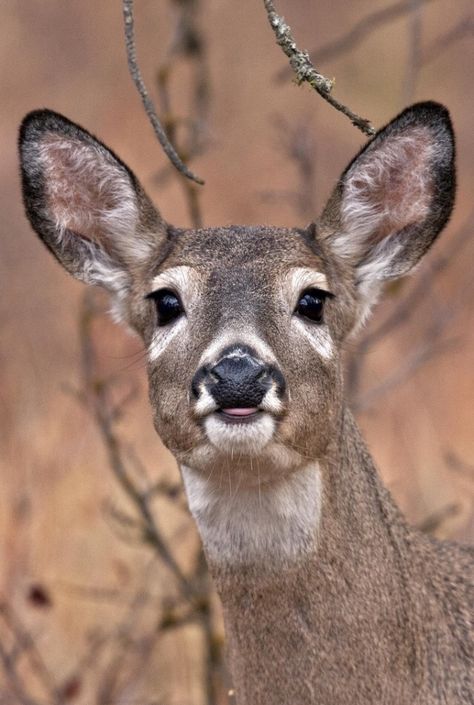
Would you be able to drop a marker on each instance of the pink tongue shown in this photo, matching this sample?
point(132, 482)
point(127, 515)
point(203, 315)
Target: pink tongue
point(240, 412)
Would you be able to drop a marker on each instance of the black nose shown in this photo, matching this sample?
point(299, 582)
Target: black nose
point(238, 380)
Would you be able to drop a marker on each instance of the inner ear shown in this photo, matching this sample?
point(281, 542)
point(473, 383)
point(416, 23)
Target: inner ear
point(389, 188)
point(87, 192)
point(84, 202)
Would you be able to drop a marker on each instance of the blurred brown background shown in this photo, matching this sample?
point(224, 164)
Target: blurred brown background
point(80, 596)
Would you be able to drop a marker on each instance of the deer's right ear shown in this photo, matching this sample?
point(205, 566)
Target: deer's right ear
point(84, 203)
point(393, 199)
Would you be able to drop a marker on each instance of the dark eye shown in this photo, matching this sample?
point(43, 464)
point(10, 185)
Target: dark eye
point(168, 305)
point(311, 304)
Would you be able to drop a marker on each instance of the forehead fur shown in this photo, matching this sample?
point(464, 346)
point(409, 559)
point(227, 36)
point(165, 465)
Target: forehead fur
point(262, 248)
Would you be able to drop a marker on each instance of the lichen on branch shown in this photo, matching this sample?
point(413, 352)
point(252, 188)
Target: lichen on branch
point(304, 70)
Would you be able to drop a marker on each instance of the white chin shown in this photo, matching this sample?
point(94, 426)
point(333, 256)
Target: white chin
point(247, 438)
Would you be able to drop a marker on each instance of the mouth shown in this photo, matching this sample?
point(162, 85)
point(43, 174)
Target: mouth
point(245, 430)
point(239, 415)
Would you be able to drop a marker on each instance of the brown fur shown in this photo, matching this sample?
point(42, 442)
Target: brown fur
point(381, 614)
point(329, 597)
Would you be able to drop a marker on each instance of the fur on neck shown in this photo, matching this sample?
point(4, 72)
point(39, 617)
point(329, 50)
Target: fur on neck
point(268, 525)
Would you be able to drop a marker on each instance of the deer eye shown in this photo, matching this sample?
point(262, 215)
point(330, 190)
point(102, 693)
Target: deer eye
point(311, 304)
point(168, 305)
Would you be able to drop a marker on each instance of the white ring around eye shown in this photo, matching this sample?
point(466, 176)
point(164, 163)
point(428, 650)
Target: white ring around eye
point(318, 337)
point(163, 336)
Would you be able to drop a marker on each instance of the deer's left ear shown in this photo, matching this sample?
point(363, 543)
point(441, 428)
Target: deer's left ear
point(85, 203)
point(394, 198)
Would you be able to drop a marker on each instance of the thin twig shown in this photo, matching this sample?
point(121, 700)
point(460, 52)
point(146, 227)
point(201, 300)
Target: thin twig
point(414, 54)
point(408, 305)
point(458, 465)
point(15, 681)
point(406, 369)
point(424, 286)
point(432, 344)
point(464, 28)
point(304, 70)
point(24, 643)
point(362, 29)
point(135, 73)
point(298, 145)
point(189, 44)
point(432, 522)
point(128, 645)
point(97, 391)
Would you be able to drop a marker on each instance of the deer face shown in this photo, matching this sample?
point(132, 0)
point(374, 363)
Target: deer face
point(243, 326)
point(244, 330)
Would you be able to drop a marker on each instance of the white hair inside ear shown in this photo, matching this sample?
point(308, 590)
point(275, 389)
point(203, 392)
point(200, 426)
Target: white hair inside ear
point(393, 200)
point(385, 190)
point(88, 192)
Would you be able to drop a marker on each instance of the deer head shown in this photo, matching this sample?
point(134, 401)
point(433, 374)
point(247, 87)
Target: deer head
point(243, 325)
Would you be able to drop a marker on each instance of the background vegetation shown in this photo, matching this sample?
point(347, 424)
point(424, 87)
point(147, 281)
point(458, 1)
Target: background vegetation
point(104, 597)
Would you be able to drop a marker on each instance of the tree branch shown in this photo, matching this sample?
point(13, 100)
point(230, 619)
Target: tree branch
point(25, 644)
point(433, 522)
point(414, 53)
point(364, 28)
point(135, 73)
point(464, 28)
point(423, 288)
point(405, 370)
point(305, 71)
point(96, 392)
point(403, 311)
point(189, 44)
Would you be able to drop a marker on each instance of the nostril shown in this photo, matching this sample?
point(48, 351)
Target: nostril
point(198, 379)
point(279, 380)
point(238, 382)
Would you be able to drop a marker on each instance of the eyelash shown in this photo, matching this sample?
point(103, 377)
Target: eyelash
point(311, 304)
point(168, 305)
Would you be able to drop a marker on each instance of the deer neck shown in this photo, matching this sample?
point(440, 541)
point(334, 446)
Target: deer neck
point(331, 508)
point(312, 576)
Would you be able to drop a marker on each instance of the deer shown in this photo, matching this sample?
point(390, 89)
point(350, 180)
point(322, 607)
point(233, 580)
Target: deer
point(329, 596)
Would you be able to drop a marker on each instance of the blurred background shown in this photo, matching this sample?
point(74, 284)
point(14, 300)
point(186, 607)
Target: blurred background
point(104, 597)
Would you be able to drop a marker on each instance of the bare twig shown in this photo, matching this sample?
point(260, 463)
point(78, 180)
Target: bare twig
point(194, 591)
point(304, 70)
point(298, 145)
point(135, 73)
point(188, 43)
point(15, 681)
point(217, 676)
point(432, 344)
point(360, 31)
point(424, 287)
point(24, 644)
point(124, 643)
point(407, 368)
point(408, 305)
point(437, 519)
point(464, 28)
point(458, 465)
point(414, 53)
point(101, 409)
